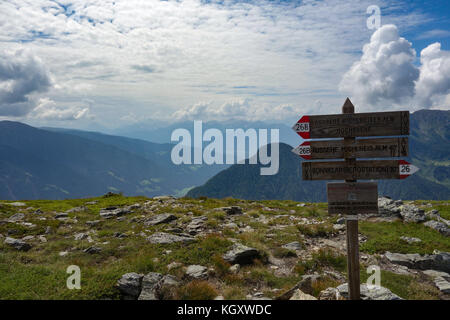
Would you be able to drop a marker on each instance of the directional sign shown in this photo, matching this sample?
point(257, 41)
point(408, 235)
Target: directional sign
point(358, 197)
point(360, 169)
point(394, 123)
point(362, 148)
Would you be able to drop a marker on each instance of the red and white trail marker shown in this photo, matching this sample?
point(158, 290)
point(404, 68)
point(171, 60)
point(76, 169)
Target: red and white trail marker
point(406, 169)
point(302, 127)
point(303, 150)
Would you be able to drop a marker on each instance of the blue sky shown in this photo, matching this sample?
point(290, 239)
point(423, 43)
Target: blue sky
point(105, 64)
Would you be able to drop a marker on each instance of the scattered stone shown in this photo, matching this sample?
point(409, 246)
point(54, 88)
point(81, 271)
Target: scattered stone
point(48, 230)
point(16, 217)
point(438, 226)
point(340, 221)
point(433, 214)
point(411, 213)
point(92, 250)
point(219, 298)
point(295, 245)
point(329, 294)
point(80, 236)
point(442, 284)
point(28, 238)
point(63, 253)
point(93, 223)
point(301, 205)
point(173, 265)
point(38, 211)
point(372, 293)
point(300, 295)
point(154, 285)
point(234, 269)
point(112, 212)
point(165, 238)
point(410, 240)
point(119, 235)
point(160, 218)
point(59, 215)
point(197, 272)
point(76, 209)
point(388, 207)
point(241, 254)
point(130, 285)
point(17, 244)
point(231, 210)
point(163, 198)
point(174, 230)
point(231, 225)
point(338, 227)
point(440, 261)
point(17, 204)
point(42, 239)
point(91, 202)
point(196, 225)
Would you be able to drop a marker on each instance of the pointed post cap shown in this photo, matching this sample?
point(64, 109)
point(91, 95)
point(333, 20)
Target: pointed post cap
point(348, 106)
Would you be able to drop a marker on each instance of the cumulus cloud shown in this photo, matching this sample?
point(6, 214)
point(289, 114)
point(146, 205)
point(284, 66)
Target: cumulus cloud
point(386, 70)
point(434, 80)
point(237, 109)
point(21, 75)
point(47, 109)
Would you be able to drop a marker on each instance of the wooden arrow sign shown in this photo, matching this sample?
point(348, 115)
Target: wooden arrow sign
point(362, 148)
point(348, 198)
point(361, 169)
point(394, 123)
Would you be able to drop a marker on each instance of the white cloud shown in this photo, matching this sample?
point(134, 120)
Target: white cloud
point(48, 110)
point(434, 80)
point(386, 70)
point(386, 73)
point(21, 75)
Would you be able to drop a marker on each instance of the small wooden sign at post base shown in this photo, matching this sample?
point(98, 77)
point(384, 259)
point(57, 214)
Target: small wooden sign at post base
point(352, 197)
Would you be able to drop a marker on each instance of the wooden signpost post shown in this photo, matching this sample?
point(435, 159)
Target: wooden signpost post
point(352, 197)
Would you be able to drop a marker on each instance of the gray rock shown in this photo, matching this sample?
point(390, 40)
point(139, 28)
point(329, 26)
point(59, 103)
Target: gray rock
point(81, 236)
point(196, 225)
point(17, 244)
point(119, 235)
point(160, 218)
point(300, 295)
point(442, 284)
point(92, 250)
point(130, 285)
point(163, 198)
point(93, 223)
point(155, 286)
point(373, 293)
point(411, 213)
point(150, 285)
point(76, 209)
point(231, 210)
point(440, 261)
point(196, 272)
point(388, 207)
point(234, 269)
point(329, 294)
point(16, 217)
point(438, 226)
point(338, 227)
point(165, 238)
point(340, 221)
point(241, 254)
point(295, 245)
point(305, 285)
point(410, 240)
point(17, 204)
point(59, 215)
point(112, 212)
point(28, 238)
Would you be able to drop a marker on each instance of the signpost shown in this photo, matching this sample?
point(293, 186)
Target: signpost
point(353, 198)
point(363, 148)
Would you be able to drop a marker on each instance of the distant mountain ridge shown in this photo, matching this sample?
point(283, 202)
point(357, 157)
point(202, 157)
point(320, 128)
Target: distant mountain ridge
point(51, 164)
point(429, 150)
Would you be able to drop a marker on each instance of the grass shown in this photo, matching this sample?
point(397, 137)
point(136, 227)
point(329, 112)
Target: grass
point(40, 273)
point(385, 236)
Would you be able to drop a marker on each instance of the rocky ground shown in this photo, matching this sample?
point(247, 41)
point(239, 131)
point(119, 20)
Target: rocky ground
point(167, 248)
